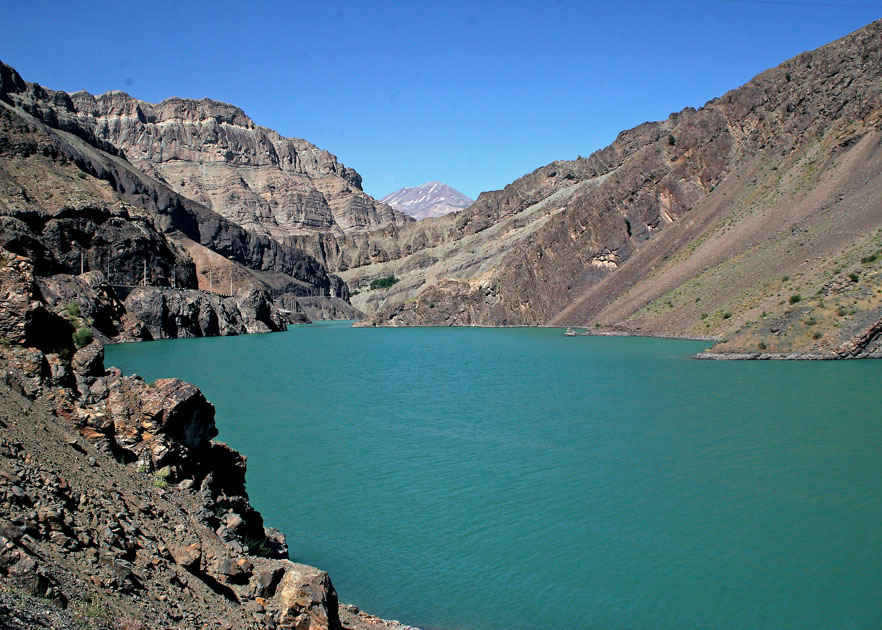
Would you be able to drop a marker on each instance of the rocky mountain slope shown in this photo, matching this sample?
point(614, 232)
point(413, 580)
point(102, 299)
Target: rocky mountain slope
point(71, 201)
point(214, 154)
point(755, 218)
point(118, 509)
point(432, 199)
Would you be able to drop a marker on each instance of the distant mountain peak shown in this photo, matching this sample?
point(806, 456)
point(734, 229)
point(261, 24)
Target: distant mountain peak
point(432, 199)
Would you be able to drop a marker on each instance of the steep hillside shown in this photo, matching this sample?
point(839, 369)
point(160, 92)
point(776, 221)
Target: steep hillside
point(71, 201)
point(707, 223)
point(432, 199)
point(214, 154)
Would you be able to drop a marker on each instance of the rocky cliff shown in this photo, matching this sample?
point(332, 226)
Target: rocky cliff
point(118, 508)
point(214, 154)
point(732, 221)
point(70, 202)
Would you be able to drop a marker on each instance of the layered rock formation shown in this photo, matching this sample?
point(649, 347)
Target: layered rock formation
point(212, 153)
point(432, 199)
point(706, 223)
point(71, 199)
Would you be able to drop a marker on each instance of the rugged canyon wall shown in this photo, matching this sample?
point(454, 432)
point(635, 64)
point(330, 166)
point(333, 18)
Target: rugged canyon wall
point(69, 201)
point(735, 221)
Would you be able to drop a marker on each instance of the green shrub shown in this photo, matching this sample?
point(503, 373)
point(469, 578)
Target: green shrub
point(72, 308)
point(383, 283)
point(727, 315)
point(161, 477)
point(854, 277)
point(817, 335)
point(796, 297)
point(866, 260)
point(82, 337)
point(761, 345)
point(672, 140)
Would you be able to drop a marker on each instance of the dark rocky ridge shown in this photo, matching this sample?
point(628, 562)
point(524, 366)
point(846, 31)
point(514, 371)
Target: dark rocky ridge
point(41, 123)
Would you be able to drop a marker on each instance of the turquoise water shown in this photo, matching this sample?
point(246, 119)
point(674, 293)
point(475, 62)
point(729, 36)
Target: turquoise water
point(514, 478)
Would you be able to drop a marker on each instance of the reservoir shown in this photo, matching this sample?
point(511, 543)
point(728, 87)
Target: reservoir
point(509, 479)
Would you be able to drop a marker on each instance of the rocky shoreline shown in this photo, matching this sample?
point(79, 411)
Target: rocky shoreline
point(118, 507)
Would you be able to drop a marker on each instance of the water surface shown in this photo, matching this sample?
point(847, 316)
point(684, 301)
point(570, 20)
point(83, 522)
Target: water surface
point(514, 478)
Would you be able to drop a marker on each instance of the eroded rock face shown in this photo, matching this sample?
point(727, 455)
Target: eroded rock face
point(17, 297)
point(214, 154)
point(124, 247)
point(308, 599)
point(156, 313)
point(80, 189)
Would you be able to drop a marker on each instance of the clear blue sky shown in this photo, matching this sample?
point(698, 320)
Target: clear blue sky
point(474, 94)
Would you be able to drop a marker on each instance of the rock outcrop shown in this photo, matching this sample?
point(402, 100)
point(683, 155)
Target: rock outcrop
point(52, 162)
point(174, 313)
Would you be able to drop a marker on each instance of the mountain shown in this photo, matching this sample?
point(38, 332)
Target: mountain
point(72, 200)
point(214, 154)
point(433, 199)
point(754, 219)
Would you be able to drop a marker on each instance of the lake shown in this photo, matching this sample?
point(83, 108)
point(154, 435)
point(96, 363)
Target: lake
point(507, 479)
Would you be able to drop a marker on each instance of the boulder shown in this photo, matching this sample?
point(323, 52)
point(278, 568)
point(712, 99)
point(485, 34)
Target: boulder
point(308, 599)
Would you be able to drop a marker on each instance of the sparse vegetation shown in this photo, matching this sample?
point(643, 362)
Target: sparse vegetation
point(82, 337)
point(866, 260)
point(257, 547)
point(160, 477)
point(383, 283)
